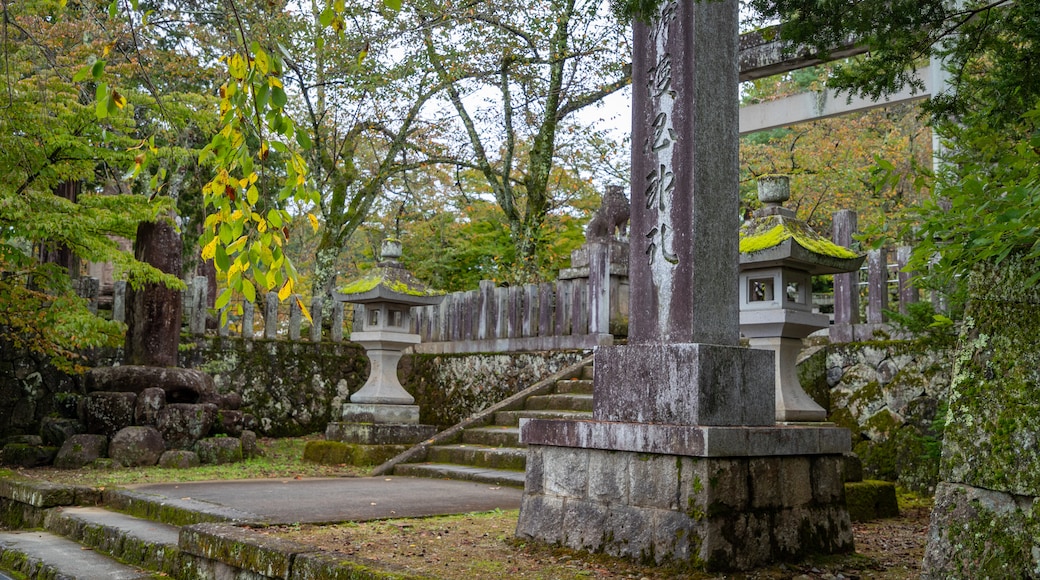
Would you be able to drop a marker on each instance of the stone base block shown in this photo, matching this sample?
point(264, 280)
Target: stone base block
point(712, 513)
point(374, 413)
point(871, 500)
point(684, 384)
point(375, 434)
point(339, 453)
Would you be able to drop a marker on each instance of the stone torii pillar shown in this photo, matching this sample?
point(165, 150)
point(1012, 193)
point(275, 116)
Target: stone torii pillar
point(682, 459)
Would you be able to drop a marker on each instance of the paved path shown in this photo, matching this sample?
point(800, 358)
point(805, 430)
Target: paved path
point(344, 499)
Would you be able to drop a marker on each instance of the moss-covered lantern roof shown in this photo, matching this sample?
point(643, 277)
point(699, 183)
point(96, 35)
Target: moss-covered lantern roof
point(774, 237)
point(390, 282)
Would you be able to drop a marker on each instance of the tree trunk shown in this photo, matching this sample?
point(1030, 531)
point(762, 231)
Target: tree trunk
point(153, 312)
point(60, 254)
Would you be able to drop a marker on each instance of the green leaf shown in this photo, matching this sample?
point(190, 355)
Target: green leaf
point(223, 299)
point(97, 69)
point(326, 16)
point(304, 140)
point(394, 5)
point(278, 97)
point(248, 290)
point(82, 74)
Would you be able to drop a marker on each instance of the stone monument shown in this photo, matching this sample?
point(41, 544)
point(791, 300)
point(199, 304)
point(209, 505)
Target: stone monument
point(381, 413)
point(682, 459)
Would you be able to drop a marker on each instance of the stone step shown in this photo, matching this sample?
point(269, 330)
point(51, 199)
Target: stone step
point(566, 402)
point(38, 554)
point(575, 386)
point(463, 472)
point(512, 418)
point(498, 436)
point(139, 542)
point(587, 372)
point(479, 456)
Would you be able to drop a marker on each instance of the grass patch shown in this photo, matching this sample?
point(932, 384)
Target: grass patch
point(282, 458)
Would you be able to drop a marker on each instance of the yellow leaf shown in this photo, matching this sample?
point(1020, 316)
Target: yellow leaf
point(274, 82)
point(285, 291)
point(314, 221)
point(210, 250)
point(303, 310)
point(261, 225)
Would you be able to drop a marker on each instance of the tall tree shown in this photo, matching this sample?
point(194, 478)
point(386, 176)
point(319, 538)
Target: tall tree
point(516, 75)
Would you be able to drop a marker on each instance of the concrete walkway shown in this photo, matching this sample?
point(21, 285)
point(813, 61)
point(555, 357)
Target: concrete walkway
point(332, 500)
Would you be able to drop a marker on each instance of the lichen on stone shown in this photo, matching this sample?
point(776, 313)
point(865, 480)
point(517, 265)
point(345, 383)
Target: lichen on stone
point(771, 231)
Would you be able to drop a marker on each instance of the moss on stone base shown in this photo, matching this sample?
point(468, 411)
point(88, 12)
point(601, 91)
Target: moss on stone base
point(339, 453)
point(871, 500)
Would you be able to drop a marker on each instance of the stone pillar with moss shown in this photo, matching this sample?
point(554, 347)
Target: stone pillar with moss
point(986, 519)
point(380, 416)
point(779, 255)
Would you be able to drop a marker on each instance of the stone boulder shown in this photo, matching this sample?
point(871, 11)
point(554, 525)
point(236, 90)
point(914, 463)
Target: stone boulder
point(55, 430)
point(249, 446)
point(106, 412)
point(230, 422)
point(25, 455)
point(180, 385)
point(139, 446)
point(182, 424)
point(149, 402)
point(179, 459)
point(79, 450)
point(219, 450)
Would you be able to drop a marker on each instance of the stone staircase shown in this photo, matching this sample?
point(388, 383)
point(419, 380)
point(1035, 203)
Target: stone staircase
point(76, 533)
point(489, 451)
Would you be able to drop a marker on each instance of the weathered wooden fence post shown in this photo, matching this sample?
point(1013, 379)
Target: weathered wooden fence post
point(271, 316)
point(877, 285)
point(337, 321)
point(247, 320)
point(908, 292)
point(846, 286)
point(119, 301)
point(199, 293)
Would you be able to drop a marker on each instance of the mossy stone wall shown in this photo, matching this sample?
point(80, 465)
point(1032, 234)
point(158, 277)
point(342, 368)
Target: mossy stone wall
point(986, 521)
point(891, 396)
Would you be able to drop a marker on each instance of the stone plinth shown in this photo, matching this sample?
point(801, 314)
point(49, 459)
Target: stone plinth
point(364, 424)
point(384, 349)
point(684, 384)
point(717, 498)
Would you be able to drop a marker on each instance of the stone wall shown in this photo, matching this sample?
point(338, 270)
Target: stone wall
point(986, 521)
point(292, 388)
point(891, 395)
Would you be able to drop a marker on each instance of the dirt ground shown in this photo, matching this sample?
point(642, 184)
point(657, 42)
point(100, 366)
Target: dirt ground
point(483, 546)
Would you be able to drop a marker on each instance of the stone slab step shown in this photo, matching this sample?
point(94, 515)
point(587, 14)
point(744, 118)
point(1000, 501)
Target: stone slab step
point(588, 372)
point(576, 386)
point(39, 554)
point(498, 436)
point(479, 456)
point(462, 472)
point(140, 542)
point(512, 418)
point(566, 402)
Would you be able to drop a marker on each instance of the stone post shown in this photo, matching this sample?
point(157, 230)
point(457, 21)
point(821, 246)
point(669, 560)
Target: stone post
point(247, 319)
point(119, 301)
point(846, 286)
point(317, 307)
point(682, 459)
point(877, 286)
point(295, 318)
point(199, 292)
point(271, 316)
point(336, 333)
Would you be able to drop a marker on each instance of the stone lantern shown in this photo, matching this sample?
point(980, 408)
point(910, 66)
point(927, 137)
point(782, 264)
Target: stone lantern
point(779, 255)
point(381, 412)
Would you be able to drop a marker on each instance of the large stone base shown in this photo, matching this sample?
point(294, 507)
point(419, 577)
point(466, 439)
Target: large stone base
point(723, 498)
point(375, 434)
point(978, 533)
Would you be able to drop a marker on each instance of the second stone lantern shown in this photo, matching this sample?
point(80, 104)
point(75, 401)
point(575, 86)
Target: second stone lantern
point(382, 411)
point(779, 255)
